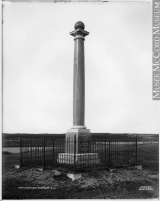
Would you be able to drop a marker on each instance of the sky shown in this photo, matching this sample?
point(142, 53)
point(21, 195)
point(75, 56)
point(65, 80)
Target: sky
point(38, 54)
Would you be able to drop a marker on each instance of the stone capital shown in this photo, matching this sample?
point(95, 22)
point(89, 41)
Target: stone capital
point(79, 31)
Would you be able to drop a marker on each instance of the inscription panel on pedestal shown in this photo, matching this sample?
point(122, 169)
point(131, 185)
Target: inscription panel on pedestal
point(84, 144)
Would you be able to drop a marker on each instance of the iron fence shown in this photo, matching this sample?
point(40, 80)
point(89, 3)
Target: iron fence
point(79, 154)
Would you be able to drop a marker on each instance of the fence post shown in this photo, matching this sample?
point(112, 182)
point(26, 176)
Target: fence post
point(74, 153)
point(105, 152)
point(109, 153)
point(44, 152)
point(20, 152)
point(136, 151)
point(53, 151)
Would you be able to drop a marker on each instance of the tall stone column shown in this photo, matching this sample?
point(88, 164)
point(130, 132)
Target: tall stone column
point(78, 142)
point(79, 76)
point(78, 129)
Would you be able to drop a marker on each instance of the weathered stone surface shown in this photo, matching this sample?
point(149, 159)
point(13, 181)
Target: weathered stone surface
point(139, 167)
point(74, 176)
point(56, 173)
point(17, 166)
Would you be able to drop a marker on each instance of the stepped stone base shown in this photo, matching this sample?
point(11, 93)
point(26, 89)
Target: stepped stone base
point(83, 158)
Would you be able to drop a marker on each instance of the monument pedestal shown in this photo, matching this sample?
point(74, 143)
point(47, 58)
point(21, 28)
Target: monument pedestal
point(78, 140)
point(78, 148)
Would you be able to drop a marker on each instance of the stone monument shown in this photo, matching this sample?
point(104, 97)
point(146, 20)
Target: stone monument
point(82, 149)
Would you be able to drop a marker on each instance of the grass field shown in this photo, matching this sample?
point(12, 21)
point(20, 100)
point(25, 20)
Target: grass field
point(121, 183)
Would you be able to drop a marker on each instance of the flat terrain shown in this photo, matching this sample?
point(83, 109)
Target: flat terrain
point(120, 183)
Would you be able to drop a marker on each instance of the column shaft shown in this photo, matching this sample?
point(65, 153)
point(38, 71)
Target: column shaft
point(79, 83)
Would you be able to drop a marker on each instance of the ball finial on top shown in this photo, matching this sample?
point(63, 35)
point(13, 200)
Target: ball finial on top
point(80, 25)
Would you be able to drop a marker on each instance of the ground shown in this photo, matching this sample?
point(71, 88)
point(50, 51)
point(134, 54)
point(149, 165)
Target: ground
point(119, 183)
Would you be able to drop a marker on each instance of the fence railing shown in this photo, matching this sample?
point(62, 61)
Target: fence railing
point(79, 154)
